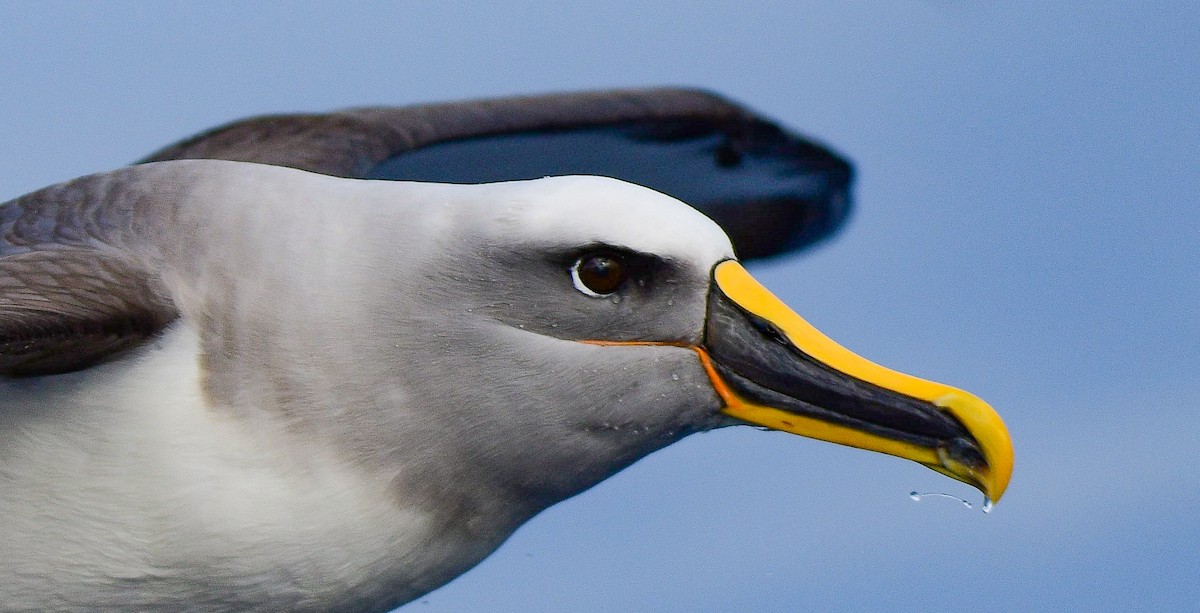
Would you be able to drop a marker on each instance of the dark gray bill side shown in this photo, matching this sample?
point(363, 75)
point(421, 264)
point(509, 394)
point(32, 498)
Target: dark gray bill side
point(763, 366)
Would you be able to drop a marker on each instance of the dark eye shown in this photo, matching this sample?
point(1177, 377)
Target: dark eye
point(599, 274)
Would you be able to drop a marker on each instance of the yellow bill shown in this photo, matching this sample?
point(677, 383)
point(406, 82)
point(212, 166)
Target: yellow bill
point(772, 368)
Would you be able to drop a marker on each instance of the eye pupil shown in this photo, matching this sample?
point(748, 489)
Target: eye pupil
point(601, 274)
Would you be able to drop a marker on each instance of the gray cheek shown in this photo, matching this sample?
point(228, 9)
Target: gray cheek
point(609, 408)
point(514, 410)
point(657, 392)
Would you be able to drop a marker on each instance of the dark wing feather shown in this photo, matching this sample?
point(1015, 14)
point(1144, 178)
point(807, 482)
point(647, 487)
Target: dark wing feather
point(66, 309)
point(773, 191)
point(71, 294)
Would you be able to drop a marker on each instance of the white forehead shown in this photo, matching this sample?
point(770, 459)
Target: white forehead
point(586, 210)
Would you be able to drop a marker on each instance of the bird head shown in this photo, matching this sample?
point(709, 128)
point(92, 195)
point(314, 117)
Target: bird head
point(565, 327)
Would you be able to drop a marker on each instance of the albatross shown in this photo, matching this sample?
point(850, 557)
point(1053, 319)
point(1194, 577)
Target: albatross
point(232, 386)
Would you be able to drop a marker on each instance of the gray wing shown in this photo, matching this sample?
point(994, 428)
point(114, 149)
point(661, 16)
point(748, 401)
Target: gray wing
point(773, 191)
point(73, 290)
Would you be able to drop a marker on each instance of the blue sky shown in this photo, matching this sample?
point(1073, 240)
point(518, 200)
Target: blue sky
point(1026, 229)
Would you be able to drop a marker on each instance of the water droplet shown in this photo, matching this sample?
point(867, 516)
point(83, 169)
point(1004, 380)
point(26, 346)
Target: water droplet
point(917, 496)
point(987, 505)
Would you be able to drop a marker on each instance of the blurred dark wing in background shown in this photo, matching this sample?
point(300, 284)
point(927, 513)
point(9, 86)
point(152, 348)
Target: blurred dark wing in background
point(773, 191)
